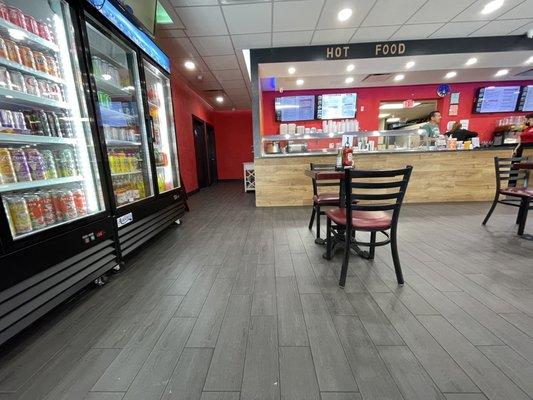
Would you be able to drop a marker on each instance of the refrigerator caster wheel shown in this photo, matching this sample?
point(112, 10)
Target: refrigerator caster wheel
point(117, 268)
point(99, 281)
point(177, 222)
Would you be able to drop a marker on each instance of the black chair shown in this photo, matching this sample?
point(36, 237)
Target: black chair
point(372, 203)
point(516, 189)
point(322, 199)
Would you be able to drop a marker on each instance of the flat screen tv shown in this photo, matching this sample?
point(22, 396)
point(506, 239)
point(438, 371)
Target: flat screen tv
point(526, 99)
point(494, 99)
point(336, 106)
point(295, 108)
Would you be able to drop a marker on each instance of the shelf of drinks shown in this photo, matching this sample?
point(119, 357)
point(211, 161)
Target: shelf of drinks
point(22, 68)
point(60, 223)
point(118, 174)
point(28, 38)
point(121, 143)
point(111, 88)
point(116, 118)
point(15, 97)
point(21, 138)
point(7, 187)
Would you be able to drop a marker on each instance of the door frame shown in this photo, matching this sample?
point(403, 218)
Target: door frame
point(208, 125)
point(200, 121)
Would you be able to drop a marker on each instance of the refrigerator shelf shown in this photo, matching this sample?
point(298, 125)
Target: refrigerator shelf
point(30, 38)
point(116, 118)
point(121, 143)
point(33, 139)
point(29, 100)
point(111, 88)
point(126, 173)
point(7, 187)
point(23, 235)
point(22, 68)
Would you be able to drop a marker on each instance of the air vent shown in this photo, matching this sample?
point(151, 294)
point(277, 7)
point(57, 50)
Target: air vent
point(528, 73)
point(375, 78)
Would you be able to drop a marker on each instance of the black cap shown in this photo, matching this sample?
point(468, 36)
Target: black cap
point(530, 115)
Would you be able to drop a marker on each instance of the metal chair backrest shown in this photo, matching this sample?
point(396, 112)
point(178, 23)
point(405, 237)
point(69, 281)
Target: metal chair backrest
point(322, 167)
point(506, 172)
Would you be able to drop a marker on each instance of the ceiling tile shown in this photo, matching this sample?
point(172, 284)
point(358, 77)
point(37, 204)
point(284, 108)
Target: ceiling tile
point(213, 45)
point(332, 36)
point(212, 85)
point(238, 83)
point(473, 13)
point(169, 33)
point(301, 38)
point(457, 29)
point(248, 18)
point(178, 47)
point(502, 27)
point(296, 15)
point(242, 91)
point(524, 10)
point(328, 19)
point(181, 3)
point(202, 21)
point(523, 29)
point(251, 41)
point(373, 33)
point(217, 63)
point(228, 74)
point(419, 31)
point(433, 11)
point(392, 12)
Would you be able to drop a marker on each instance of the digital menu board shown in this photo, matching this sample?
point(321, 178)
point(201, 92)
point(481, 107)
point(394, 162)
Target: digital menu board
point(295, 108)
point(493, 99)
point(336, 106)
point(526, 99)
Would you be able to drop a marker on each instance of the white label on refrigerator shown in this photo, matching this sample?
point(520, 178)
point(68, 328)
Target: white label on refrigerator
point(124, 220)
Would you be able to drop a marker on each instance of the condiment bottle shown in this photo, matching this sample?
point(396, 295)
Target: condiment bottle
point(347, 155)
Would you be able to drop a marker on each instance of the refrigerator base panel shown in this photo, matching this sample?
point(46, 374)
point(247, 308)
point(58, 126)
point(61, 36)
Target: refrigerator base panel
point(29, 300)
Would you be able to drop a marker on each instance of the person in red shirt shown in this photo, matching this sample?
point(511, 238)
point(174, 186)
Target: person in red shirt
point(526, 137)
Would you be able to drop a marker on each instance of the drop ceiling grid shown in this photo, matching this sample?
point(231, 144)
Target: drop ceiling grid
point(245, 21)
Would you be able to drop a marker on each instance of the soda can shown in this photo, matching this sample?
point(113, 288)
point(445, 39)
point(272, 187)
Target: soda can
point(44, 31)
point(32, 86)
point(40, 62)
point(3, 48)
point(79, 201)
point(55, 92)
point(20, 165)
point(36, 163)
point(6, 118)
point(19, 120)
point(67, 206)
point(16, 16)
point(66, 127)
point(7, 172)
point(26, 56)
point(67, 163)
point(17, 82)
point(31, 24)
point(20, 215)
point(35, 209)
point(13, 52)
point(4, 11)
point(53, 68)
point(49, 212)
point(97, 66)
point(55, 127)
point(43, 119)
point(44, 88)
point(5, 78)
point(50, 168)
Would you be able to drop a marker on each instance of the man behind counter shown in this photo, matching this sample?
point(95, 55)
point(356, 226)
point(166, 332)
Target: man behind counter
point(432, 126)
point(461, 134)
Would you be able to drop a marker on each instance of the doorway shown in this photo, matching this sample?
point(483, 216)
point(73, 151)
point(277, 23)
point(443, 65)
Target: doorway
point(200, 148)
point(211, 154)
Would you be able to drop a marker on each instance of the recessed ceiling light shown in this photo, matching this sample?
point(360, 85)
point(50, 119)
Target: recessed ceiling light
point(492, 6)
point(189, 65)
point(291, 70)
point(410, 64)
point(381, 116)
point(300, 82)
point(344, 14)
point(348, 80)
point(450, 74)
point(219, 99)
point(393, 119)
point(399, 77)
point(529, 60)
point(471, 61)
point(350, 68)
point(502, 72)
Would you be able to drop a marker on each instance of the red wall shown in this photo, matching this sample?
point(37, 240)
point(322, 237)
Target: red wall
point(368, 100)
point(234, 141)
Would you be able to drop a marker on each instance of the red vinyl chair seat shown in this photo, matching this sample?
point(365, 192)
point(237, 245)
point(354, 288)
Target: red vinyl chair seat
point(362, 220)
point(517, 192)
point(327, 199)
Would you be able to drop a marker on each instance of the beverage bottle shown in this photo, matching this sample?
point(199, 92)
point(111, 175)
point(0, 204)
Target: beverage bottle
point(347, 155)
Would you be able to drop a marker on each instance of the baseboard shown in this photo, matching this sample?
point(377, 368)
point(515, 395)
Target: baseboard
point(230, 180)
point(193, 192)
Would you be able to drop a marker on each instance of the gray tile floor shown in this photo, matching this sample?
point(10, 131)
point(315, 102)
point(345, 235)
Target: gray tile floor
point(237, 303)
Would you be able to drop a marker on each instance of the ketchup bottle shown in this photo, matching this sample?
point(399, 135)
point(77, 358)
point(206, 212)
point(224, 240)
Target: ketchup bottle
point(347, 155)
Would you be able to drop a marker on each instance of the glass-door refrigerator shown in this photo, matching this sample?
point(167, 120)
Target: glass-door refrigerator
point(55, 226)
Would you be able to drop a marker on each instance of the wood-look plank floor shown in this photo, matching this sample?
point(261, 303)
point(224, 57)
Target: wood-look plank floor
point(238, 303)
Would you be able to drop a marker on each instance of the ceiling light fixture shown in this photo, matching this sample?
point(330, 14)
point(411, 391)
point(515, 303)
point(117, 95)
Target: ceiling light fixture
point(492, 6)
point(502, 72)
point(348, 80)
point(344, 14)
point(393, 119)
point(399, 77)
point(381, 116)
point(189, 65)
point(410, 64)
point(529, 60)
point(395, 106)
point(471, 61)
point(300, 82)
point(450, 74)
point(350, 68)
point(291, 70)
point(219, 99)
point(106, 77)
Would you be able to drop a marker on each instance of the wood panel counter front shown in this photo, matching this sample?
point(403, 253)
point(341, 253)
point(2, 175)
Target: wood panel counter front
point(446, 176)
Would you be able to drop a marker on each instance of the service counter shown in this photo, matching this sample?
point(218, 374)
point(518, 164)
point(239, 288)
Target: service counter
point(438, 176)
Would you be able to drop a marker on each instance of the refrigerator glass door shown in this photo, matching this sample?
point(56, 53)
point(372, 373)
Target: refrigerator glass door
point(48, 167)
point(116, 75)
point(163, 133)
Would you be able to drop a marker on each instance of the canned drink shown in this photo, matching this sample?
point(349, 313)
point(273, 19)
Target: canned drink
point(16, 16)
point(26, 56)
point(50, 168)
point(32, 122)
point(36, 163)
point(4, 11)
point(44, 88)
point(55, 127)
point(35, 209)
point(66, 204)
point(20, 215)
point(20, 165)
point(19, 120)
point(79, 201)
point(13, 52)
point(7, 172)
point(32, 86)
point(66, 127)
point(53, 68)
point(55, 92)
point(31, 24)
point(5, 78)
point(40, 62)
point(97, 66)
point(66, 163)
point(44, 31)
point(3, 48)
point(6, 118)
point(49, 212)
point(17, 82)
point(43, 119)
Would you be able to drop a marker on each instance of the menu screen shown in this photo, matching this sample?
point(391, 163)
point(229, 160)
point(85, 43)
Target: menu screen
point(497, 99)
point(295, 108)
point(336, 106)
point(526, 99)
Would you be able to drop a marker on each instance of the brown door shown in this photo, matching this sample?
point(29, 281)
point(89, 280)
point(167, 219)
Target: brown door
point(211, 154)
point(198, 128)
